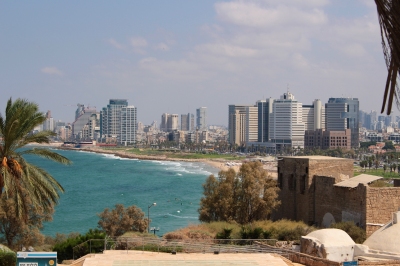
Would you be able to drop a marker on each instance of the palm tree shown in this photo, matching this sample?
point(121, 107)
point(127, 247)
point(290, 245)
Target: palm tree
point(389, 20)
point(20, 180)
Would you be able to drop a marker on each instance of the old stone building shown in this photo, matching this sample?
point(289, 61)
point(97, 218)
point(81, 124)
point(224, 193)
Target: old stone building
point(321, 190)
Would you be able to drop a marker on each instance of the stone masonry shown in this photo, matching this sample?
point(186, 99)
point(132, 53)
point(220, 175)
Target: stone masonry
point(308, 194)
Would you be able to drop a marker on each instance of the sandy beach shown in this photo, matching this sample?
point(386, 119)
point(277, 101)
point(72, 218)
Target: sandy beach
point(220, 164)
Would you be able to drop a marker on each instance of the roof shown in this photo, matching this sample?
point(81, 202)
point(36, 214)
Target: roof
point(314, 157)
point(355, 181)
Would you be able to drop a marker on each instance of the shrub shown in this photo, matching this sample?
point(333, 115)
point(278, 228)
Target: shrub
point(225, 234)
point(356, 233)
point(7, 258)
point(65, 250)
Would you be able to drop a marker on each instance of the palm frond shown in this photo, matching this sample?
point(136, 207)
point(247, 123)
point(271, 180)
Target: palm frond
point(20, 181)
point(389, 20)
point(48, 154)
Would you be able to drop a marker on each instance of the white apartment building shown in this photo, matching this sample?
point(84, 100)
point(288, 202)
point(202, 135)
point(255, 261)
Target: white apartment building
point(286, 122)
point(128, 125)
point(251, 126)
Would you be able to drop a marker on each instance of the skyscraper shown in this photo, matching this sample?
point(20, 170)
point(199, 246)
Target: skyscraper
point(242, 124)
point(187, 122)
point(286, 123)
point(201, 120)
point(116, 121)
point(128, 125)
point(264, 110)
point(341, 114)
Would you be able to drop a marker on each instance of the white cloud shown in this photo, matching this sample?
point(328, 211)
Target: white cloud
point(252, 14)
point(115, 44)
point(138, 42)
point(52, 71)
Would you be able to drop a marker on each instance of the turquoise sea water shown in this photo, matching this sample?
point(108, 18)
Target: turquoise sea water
point(96, 181)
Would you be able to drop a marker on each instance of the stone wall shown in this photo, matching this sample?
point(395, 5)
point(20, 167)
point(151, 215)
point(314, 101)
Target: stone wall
point(296, 179)
point(381, 203)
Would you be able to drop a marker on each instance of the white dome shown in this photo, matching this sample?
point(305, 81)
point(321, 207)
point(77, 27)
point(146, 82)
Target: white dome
point(385, 239)
point(332, 237)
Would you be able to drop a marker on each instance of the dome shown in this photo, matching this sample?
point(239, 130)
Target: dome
point(386, 238)
point(332, 237)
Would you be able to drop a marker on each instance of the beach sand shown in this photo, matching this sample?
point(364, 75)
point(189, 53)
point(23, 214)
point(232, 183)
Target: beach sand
point(220, 164)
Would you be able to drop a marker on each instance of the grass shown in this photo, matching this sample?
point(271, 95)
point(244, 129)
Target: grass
point(183, 155)
point(376, 172)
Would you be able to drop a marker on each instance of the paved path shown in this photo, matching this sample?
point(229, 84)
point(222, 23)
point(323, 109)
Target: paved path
point(140, 258)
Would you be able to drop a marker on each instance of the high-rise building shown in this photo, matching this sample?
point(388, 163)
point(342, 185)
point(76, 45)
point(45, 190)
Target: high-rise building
point(201, 119)
point(82, 117)
point(314, 116)
point(286, 123)
point(169, 122)
point(185, 122)
point(242, 126)
point(164, 122)
point(172, 123)
point(341, 114)
point(48, 124)
point(128, 125)
point(116, 122)
point(251, 120)
point(264, 111)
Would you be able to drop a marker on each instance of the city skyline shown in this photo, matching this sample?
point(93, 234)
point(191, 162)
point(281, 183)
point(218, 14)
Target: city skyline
point(174, 57)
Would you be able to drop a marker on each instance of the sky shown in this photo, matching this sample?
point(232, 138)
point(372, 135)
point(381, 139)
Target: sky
point(175, 56)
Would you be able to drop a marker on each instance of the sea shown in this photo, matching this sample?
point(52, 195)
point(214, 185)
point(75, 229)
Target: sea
point(97, 181)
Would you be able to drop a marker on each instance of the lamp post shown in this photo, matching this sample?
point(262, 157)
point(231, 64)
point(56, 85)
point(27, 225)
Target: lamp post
point(148, 216)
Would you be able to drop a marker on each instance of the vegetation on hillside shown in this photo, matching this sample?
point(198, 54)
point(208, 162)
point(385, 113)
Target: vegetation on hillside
point(280, 230)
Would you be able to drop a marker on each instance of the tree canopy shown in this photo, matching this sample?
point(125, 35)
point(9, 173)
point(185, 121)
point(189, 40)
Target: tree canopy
point(243, 197)
point(120, 220)
point(20, 180)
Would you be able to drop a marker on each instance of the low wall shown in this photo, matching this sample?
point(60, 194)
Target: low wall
point(310, 260)
point(379, 263)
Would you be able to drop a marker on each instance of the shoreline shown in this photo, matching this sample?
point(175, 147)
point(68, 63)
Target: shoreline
point(220, 163)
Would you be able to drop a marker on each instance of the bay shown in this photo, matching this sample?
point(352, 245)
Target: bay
point(98, 181)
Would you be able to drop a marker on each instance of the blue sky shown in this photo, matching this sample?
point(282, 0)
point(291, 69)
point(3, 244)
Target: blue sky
point(175, 56)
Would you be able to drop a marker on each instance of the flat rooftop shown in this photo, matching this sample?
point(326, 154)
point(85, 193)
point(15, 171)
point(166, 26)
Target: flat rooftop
point(120, 258)
point(314, 157)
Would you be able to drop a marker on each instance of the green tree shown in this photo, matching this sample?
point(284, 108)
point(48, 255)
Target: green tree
point(376, 164)
point(20, 180)
point(18, 232)
point(242, 197)
point(120, 220)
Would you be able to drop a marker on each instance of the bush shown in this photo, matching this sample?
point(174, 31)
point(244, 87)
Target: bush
point(225, 234)
point(65, 249)
point(7, 258)
point(356, 233)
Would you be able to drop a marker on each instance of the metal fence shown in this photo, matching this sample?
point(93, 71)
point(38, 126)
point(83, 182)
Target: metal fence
point(187, 246)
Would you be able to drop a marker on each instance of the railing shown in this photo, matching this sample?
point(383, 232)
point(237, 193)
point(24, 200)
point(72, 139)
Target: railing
point(187, 246)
